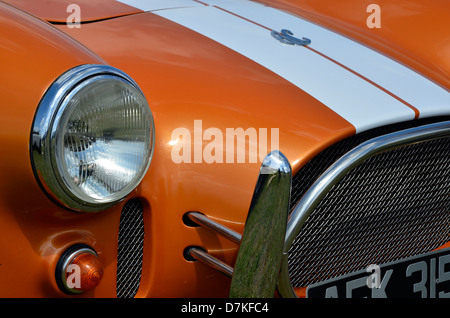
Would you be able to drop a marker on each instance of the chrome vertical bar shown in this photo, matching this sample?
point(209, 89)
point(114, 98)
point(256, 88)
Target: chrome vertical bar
point(206, 222)
point(259, 258)
point(210, 260)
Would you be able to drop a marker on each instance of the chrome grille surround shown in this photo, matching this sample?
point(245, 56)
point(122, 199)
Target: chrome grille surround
point(342, 221)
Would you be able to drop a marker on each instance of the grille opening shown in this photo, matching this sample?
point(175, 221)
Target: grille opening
point(394, 205)
point(130, 249)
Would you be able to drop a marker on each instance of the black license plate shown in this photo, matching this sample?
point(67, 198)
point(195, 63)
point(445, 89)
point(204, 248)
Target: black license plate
point(422, 276)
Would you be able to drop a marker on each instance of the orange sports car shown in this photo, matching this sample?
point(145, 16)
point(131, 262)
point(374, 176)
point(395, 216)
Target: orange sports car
point(225, 148)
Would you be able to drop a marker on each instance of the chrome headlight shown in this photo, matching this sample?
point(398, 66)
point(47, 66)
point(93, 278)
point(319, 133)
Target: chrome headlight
point(92, 138)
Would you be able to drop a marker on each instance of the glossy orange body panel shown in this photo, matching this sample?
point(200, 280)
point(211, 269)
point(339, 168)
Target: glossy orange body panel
point(189, 85)
point(34, 231)
point(185, 77)
point(415, 33)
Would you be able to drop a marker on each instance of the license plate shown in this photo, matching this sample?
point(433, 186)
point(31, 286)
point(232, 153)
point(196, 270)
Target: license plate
point(422, 276)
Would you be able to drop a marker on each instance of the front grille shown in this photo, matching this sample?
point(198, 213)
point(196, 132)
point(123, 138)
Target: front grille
point(130, 249)
point(394, 205)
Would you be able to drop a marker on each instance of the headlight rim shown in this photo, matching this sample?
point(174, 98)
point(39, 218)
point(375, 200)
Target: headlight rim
point(43, 134)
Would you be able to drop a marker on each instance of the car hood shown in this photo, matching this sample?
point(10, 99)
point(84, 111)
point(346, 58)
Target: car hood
point(220, 57)
point(414, 32)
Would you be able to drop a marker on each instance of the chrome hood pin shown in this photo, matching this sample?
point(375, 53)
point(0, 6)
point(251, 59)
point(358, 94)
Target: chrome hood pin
point(286, 36)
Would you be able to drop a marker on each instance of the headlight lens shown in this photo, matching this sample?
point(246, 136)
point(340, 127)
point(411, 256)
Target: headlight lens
point(92, 138)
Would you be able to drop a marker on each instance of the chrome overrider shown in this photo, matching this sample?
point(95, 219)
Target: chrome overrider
point(337, 171)
point(256, 269)
point(259, 256)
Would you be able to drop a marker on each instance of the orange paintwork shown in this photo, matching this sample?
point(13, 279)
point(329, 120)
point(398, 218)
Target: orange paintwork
point(189, 78)
point(33, 231)
point(185, 77)
point(203, 81)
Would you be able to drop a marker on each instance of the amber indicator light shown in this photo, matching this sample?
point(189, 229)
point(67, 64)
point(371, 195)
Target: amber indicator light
point(79, 270)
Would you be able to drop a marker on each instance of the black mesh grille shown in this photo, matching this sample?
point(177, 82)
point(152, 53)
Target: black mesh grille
point(394, 205)
point(130, 249)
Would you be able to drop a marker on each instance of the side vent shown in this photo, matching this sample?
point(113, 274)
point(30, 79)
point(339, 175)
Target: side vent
point(130, 249)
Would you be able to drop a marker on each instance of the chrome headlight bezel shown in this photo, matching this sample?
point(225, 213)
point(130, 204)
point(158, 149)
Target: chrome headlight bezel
point(45, 136)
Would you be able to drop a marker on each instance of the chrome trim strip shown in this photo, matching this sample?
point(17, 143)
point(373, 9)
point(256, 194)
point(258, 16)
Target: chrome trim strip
point(259, 258)
point(206, 222)
point(337, 171)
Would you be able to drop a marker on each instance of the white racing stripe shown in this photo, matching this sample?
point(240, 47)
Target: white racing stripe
point(430, 99)
point(358, 101)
